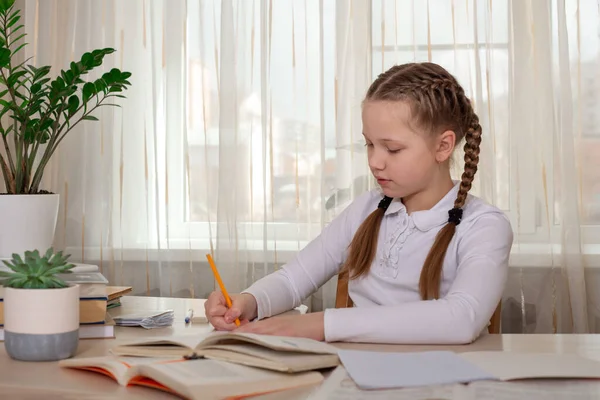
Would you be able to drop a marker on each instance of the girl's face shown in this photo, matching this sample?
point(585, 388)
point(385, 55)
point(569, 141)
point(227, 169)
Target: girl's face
point(403, 161)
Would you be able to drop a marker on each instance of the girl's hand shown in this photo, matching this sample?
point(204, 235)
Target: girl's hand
point(305, 325)
point(243, 306)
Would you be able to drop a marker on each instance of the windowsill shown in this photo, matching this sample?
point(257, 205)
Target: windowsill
point(522, 255)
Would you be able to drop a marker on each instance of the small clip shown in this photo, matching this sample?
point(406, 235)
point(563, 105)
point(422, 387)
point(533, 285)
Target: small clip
point(193, 356)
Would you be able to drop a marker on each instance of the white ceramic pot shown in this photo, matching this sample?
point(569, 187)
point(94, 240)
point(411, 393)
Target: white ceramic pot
point(27, 222)
point(41, 324)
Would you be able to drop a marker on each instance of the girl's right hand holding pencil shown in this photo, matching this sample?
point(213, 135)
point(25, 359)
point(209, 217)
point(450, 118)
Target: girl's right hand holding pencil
point(243, 306)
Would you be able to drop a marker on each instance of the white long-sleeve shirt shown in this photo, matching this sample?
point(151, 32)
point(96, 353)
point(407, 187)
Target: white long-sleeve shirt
point(387, 304)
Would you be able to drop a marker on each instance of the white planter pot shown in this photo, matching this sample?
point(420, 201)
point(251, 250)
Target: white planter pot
point(41, 324)
point(27, 222)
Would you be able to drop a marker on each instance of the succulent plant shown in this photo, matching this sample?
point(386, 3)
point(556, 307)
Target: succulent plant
point(36, 271)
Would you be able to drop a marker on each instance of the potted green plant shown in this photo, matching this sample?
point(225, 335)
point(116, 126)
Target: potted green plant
point(41, 311)
point(36, 113)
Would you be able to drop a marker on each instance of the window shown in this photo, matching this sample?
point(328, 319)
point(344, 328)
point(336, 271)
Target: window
point(443, 32)
point(283, 171)
point(525, 174)
point(280, 73)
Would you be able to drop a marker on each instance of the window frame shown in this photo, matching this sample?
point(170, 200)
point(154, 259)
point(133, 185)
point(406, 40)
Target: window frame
point(532, 245)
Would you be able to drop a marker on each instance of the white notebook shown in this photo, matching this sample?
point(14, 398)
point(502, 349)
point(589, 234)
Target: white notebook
point(339, 386)
point(379, 370)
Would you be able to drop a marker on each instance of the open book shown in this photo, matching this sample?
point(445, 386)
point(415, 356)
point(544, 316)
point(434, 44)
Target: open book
point(278, 353)
point(193, 379)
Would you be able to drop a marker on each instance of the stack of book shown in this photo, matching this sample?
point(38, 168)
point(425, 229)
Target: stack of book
point(115, 293)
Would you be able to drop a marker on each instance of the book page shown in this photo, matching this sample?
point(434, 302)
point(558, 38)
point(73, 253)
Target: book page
point(120, 369)
point(159, 346)
point(204, 379)
point(339, 386)
point(259, 356)
point(283, 343)
point(109, 366)
point(512, 365)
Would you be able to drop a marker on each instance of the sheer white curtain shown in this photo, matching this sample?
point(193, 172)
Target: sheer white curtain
point(241, 135)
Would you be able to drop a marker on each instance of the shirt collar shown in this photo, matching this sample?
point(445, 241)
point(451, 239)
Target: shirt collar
point(428, 219)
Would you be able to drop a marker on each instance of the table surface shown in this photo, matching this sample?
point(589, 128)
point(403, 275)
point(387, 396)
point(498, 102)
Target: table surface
point(29, 380)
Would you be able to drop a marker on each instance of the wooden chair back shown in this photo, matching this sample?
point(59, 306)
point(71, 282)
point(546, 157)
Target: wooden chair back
point(342, 300)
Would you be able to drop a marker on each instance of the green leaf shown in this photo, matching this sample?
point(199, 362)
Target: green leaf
point(108, 78)
point(13, 21)
point(88, 91)
point(47, 123)
point(87, 60)
point(68, 76)
point(100, 85)
point(42, 71)
point(90, 118)
point(59, 269)
point(5, 5)
point(56, 282)
point(16, 282)
point(115, 74)
point(74, 68)
point(73, 104)
point(13, 31)
point(19, 48)
point(20, 269)
point(14, 78)
point(17, 258)
point(49, 253)
point(4, 56)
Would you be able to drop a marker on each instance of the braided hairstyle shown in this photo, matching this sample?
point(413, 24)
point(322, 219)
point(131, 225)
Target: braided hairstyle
point(438, 103)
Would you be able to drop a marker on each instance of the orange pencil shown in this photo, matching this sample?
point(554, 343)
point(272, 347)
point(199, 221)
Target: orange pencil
point(220, 282)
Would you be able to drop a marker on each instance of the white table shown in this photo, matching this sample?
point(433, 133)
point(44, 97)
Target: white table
point(46, 380)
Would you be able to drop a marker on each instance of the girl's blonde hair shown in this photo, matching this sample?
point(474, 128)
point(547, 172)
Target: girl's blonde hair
point(438, 103)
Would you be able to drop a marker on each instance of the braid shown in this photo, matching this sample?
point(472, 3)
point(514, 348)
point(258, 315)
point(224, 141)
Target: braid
point(472, 142)
point(431, 274)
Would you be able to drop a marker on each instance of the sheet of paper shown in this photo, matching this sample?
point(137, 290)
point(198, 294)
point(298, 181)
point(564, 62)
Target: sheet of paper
point(545, 389)
point(380, 370)
point(339, 386)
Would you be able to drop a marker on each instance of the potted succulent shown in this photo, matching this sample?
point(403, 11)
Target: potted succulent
point(36, 113)
point(41, 311)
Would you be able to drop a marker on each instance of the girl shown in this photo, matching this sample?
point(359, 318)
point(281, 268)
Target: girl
point(427, 261)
